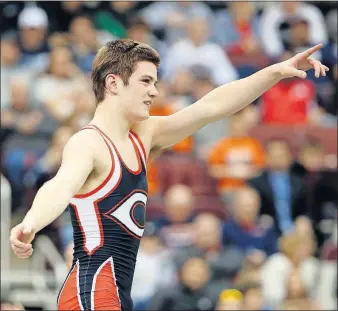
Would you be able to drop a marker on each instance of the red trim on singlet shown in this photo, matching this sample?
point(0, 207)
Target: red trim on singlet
point(69, 298)
point(141, 144)
point(99, 187)
point(139, 170)
point(124, 227)
point(95, 203)
point(104, 289)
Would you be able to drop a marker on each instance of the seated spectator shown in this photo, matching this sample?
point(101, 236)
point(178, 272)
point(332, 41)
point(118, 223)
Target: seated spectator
point(298, 40)
point(64, 13)
point(295, 254)
point(139, 30)
point(273, 24)
point(224, 261)
point(168, 20)
point(193, 292)
point(229, 299)
point(253, 297)
point(195, 49)
point(114, 17)
point(55, 88)
point(320, 193)
point(83, 42)
point(296, 290)
point(282, 192)
point(153, 178)
point(175, 227)
point(11, 66)
point(241, 21)
point(245, 230)
point(32, 37)
point(210, 134)
point(310, 159)
point(154, 269)
point(84, 107)
point(31, 129)
point(251, 269)
point(180, 87)
point(241, 41)
point(235, 159)
point(292, 102)
point(303, 227)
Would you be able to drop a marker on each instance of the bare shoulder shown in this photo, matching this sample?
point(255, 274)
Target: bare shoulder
point(83, 142)
point(145, 130)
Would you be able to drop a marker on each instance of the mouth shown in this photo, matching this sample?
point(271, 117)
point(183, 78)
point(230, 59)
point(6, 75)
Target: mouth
point(147, 103)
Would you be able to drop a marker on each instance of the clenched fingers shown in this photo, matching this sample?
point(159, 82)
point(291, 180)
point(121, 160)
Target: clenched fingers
point(25, 255)
point(22, 253)
point(18, 244)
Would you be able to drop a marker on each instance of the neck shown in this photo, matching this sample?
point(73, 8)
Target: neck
point(111, 119)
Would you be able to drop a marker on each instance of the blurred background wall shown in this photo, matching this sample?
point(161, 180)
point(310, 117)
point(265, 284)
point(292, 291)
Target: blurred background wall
point(243, 214)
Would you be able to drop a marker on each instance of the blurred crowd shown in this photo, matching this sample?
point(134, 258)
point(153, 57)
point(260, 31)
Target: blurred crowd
point(243, 214)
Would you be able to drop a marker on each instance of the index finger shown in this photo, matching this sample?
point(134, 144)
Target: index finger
point(310, 51)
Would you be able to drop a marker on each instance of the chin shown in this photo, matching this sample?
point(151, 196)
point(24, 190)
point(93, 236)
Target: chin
point(141, 117)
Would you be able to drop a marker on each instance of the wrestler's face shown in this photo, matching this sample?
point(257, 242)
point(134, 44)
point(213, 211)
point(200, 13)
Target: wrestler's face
point(138, 95)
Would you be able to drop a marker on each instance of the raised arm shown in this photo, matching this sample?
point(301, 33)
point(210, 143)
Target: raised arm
point(230, 98)
point(54, 196)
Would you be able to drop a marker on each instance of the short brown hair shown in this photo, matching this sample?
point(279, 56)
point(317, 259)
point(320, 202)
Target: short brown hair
point(119, 57)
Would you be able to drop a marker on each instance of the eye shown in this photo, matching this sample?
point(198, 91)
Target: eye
point(147, 81)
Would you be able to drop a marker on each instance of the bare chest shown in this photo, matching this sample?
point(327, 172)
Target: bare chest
point(106, 156)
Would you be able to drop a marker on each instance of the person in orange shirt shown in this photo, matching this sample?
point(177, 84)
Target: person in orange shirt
point(236, 158)
point(153, 177)
point(162, 106)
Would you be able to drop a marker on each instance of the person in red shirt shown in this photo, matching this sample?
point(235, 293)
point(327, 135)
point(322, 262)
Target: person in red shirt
point(291, 101)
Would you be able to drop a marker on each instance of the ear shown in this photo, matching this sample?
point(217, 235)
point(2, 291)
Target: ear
point(111, 83)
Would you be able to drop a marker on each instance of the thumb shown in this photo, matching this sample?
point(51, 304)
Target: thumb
point(300, 74)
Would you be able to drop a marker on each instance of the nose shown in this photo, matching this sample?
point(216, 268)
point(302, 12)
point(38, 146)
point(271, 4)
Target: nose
point(153, 92)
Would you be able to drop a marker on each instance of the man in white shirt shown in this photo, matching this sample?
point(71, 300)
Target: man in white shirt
point(195, 49)
point(277, 14)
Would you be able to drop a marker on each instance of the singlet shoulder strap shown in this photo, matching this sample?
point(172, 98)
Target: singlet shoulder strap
point(114, 176)
point(139, 146)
